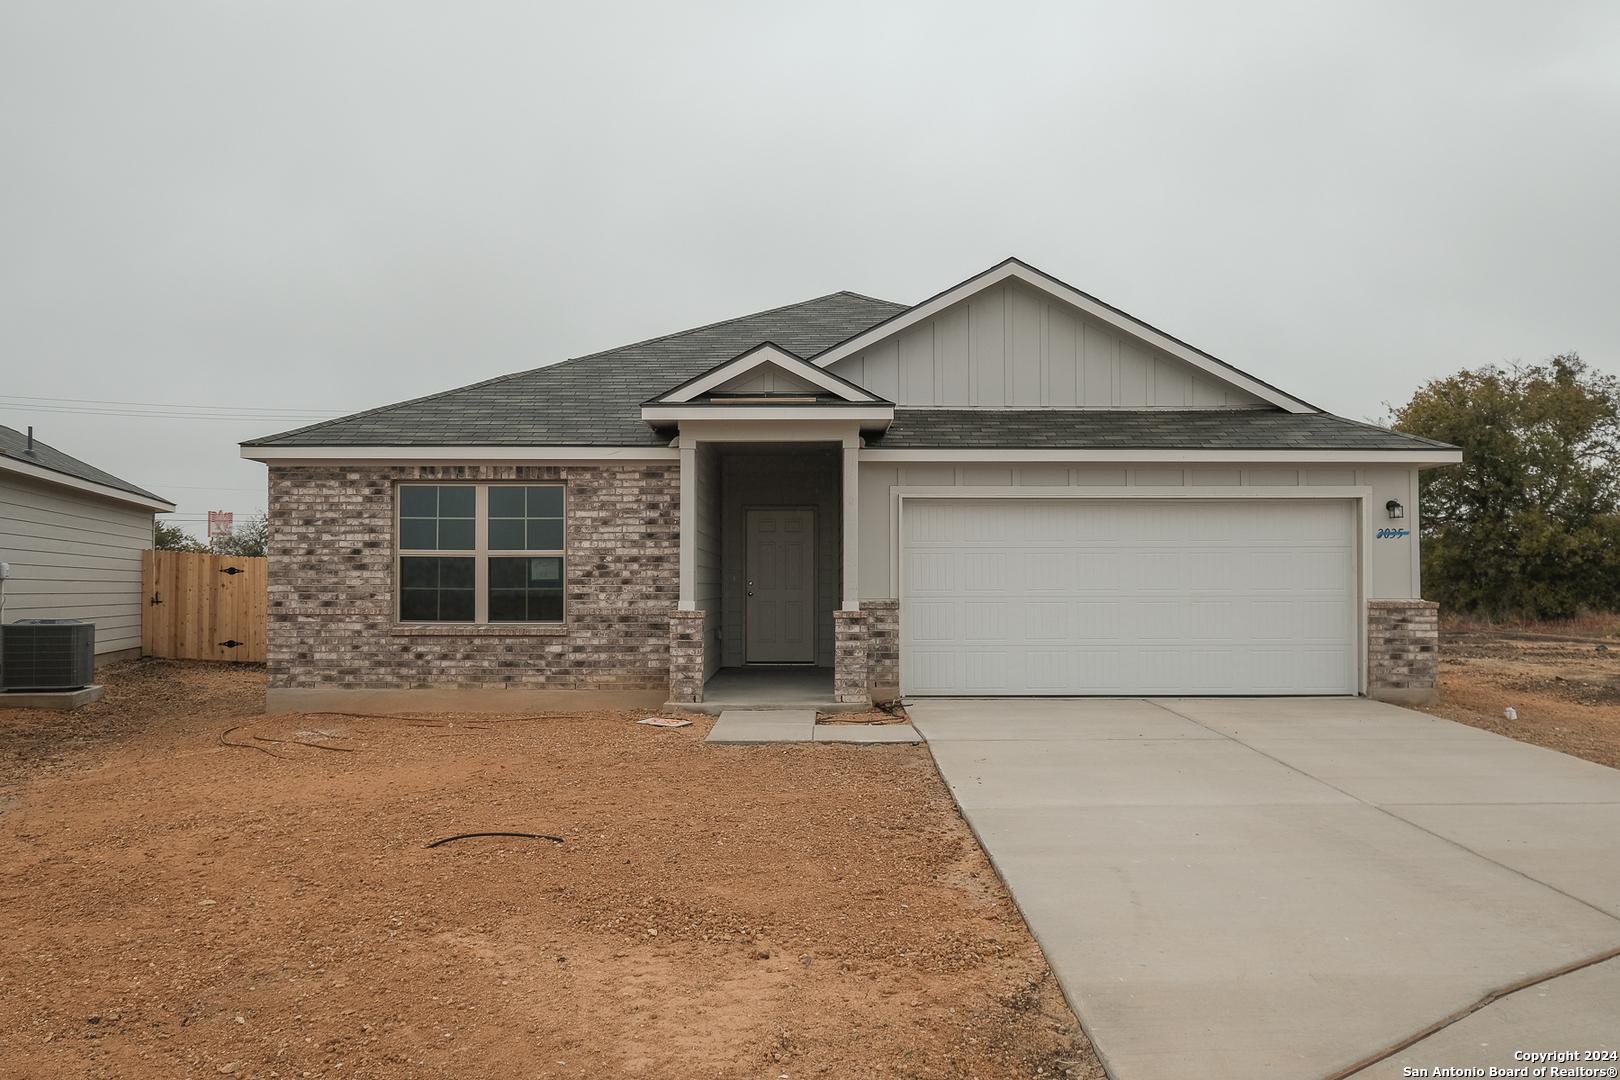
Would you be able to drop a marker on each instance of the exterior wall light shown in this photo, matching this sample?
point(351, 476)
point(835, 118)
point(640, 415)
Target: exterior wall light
point(1396, 510)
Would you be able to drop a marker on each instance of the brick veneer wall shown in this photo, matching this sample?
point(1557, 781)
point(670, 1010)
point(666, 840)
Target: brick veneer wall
point(882, 648)
point(331, 593)
point(849, 663)
point(1403, 651)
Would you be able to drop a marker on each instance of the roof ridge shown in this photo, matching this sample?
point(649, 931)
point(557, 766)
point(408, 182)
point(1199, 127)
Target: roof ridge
point(720, 322)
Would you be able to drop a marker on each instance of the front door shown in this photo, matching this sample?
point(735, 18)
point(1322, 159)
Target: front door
point(781, 586)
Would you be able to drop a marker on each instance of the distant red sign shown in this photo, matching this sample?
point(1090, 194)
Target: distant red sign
point(219, 524)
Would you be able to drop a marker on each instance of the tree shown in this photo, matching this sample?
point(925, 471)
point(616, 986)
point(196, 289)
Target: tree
point(168, 537)
point(1527, 524)
point(251, 538)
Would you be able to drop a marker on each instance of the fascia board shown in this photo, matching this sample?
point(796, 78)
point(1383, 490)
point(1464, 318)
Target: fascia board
point(89, 487)
point(411, 455)
point(1421, 458)
point(727, 429)
point(1015, 271)
point(661, 415)
point(758, 357)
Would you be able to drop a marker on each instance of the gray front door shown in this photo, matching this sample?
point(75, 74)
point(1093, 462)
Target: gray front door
point(781, 586)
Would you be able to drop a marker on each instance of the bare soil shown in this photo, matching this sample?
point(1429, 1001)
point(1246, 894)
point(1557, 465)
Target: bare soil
point(192, 889)
point(1565, 689)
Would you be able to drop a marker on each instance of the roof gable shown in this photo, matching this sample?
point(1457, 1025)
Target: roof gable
point(766, 370)
point(1014, 336)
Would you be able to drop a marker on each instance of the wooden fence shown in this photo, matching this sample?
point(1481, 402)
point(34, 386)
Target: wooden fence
point(203, 607)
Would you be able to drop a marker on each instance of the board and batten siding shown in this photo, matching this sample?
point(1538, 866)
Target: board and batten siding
point(73, 557)
point(1010, 348)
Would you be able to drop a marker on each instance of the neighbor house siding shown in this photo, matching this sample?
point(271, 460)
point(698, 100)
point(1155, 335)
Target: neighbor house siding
point(331, 594)
point(74, 556)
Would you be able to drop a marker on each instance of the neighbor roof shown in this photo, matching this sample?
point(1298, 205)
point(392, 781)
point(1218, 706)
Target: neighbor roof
point(14, 445)
point(594, 400)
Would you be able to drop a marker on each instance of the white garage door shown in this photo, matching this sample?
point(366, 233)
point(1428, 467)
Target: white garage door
point(1140, 596)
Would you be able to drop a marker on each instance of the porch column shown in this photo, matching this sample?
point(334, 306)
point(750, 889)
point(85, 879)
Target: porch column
point(688, 524)
point(852, 524)
point(849, 662)
point(686, 656)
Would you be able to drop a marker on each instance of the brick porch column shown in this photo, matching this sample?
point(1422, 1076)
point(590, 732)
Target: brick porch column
point(849, 663)
point(1403, 651)
point(882, 648)
point(686, 656)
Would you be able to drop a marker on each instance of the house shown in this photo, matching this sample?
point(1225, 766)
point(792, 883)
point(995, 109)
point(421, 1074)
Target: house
point(72, 537)
point(1010, 488)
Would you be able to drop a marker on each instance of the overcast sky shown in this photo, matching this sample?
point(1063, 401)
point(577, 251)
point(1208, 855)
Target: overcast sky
point(287, 211)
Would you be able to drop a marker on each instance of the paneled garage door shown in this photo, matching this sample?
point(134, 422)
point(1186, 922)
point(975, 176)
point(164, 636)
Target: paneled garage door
point(1139, 596)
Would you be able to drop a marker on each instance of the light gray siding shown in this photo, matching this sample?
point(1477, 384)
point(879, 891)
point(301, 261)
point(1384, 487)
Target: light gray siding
point(73, 556)
point(1011, 347)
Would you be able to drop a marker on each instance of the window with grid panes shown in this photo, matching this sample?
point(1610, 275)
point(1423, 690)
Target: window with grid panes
point(480, 553)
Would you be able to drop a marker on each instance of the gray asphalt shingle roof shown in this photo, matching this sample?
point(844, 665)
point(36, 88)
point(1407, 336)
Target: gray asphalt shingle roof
point(14, 444)
point(596, 401)
point(1137, 429)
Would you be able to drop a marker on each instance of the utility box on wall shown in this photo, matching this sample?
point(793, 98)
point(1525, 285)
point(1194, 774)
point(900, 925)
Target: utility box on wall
point(47, 654)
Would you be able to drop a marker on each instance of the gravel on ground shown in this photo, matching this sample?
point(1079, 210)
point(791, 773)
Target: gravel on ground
point(191, 888)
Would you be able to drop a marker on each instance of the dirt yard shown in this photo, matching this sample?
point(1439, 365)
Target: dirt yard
point(191, 889)
point(1565, 690)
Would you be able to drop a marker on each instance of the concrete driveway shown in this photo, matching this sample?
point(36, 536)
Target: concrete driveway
point(1263, 887)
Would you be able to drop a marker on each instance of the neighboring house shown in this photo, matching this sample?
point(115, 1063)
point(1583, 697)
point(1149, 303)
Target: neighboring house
point(73, 536)
point(1008, 489)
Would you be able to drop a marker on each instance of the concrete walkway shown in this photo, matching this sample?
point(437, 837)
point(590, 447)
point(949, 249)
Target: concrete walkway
point(1284, 888)
point(750, 726)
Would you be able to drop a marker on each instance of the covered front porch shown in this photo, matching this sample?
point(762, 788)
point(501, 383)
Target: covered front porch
point(767, 615)
point(769, 602)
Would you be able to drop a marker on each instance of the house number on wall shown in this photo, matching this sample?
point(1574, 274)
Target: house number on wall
point(1390, 534)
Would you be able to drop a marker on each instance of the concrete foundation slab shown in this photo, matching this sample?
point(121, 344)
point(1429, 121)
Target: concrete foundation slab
point(768, 688)
point(60, 700)
point(452, 699)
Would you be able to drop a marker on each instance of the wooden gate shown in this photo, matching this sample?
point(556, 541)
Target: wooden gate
point(203, 607)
